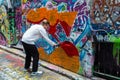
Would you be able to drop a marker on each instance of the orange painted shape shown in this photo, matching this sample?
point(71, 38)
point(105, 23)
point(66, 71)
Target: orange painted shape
point(35, 16)
point(68, 17)
point(60, 58)
point(52, 17)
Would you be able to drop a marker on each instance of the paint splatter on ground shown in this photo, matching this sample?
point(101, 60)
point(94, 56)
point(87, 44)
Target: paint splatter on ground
point(11, 69)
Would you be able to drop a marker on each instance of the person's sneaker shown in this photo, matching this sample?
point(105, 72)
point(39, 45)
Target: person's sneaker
point(37, 73)
point(26, 70)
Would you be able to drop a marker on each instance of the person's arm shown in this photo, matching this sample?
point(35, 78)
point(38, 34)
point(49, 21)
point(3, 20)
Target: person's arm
point(45, 36)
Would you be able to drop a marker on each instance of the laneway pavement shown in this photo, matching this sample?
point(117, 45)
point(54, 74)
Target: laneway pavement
point(12, 62)
point(11, 68)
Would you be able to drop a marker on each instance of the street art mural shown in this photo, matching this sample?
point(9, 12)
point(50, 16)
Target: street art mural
point(3, 25)
point(105, 22)
point(69, 26)
point(74, 23)
point(9, 28)
point(105, 19)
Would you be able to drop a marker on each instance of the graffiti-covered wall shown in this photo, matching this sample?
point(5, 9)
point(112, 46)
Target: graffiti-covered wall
point(73, 23)
point(105, 19)
point(70, 25)
point(10, 21)
point(105, 22)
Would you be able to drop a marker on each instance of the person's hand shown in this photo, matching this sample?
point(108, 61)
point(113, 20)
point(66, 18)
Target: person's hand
point(56, 46)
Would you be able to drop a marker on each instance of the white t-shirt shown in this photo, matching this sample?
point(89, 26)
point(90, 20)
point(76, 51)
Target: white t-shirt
point(34, 33)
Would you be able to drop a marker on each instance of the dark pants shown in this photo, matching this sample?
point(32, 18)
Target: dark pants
point(31, 52)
